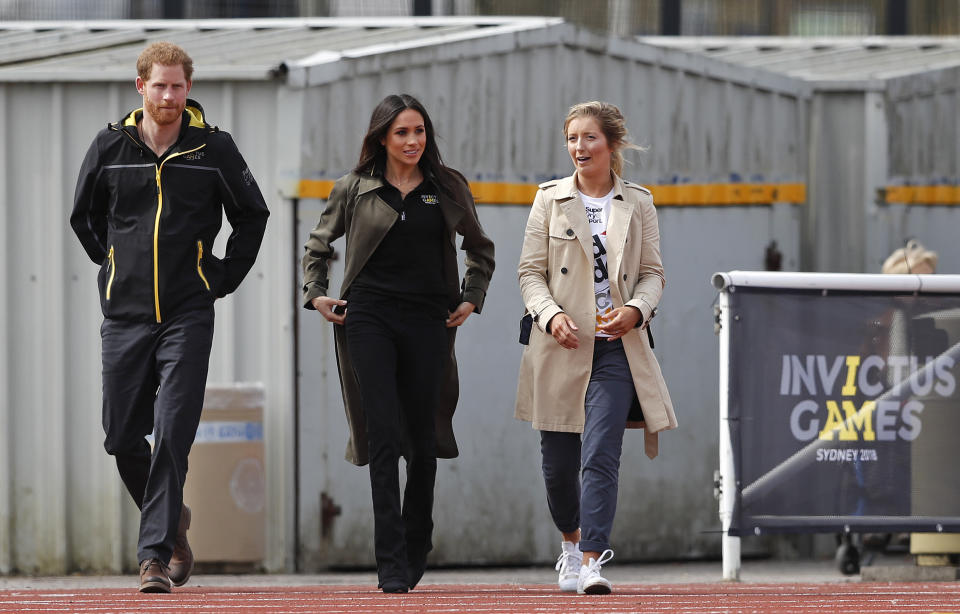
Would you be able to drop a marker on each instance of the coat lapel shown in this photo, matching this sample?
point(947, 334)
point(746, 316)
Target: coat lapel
point(367, 225)
point(618, 224)
point(568, 199)
point(451, 207)
point(378, 216)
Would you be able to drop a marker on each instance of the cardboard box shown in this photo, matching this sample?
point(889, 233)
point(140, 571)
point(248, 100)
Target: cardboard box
point(226, 479)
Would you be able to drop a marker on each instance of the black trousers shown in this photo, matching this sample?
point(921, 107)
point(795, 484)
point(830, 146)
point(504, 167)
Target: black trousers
point(398, 352)
point(154, 376)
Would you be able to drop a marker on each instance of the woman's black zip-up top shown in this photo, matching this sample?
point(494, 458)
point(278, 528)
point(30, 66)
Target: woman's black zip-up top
point(150, 221)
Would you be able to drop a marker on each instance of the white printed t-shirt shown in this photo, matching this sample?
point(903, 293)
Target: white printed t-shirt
point(598, 211)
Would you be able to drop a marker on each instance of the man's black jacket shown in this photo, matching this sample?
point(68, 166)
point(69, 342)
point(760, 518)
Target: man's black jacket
point(150, 222)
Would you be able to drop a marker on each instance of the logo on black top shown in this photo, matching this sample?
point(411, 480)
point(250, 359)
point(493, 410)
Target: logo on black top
point(429, 199)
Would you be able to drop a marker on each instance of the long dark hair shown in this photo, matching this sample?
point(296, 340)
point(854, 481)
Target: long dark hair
point(373, 155)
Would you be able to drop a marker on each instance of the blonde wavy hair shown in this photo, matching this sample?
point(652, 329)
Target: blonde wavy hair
point(612, 124)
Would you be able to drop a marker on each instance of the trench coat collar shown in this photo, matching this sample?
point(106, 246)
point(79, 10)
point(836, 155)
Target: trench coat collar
point(369, 182)
point(567, 187)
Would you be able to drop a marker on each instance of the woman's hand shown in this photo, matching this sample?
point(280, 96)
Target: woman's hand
point(563, 329)
point(624, 320)
point(459, 316)
point(325, 305)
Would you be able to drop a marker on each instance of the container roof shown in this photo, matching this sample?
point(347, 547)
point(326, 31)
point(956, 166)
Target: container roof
point(234, 49)
point(828, 61)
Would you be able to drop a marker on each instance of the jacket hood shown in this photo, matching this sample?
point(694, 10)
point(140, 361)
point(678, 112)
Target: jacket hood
point(193, 110)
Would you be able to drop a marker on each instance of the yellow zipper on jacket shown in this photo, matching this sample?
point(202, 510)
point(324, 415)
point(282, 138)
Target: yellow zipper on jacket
point(113, 271)
point(199, 264)
point(156, 232)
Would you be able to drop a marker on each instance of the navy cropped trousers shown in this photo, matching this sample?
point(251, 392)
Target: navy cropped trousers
point(582, 472)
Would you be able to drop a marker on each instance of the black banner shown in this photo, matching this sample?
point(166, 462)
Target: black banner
point(844, 411)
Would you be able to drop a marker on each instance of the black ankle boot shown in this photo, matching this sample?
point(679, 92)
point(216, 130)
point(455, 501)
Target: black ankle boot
point(394, 586)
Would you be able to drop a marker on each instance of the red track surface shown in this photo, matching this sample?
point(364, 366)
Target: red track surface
point(846, 598)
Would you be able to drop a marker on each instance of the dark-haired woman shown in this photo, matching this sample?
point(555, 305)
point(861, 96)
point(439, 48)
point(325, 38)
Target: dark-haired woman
point(395, 321)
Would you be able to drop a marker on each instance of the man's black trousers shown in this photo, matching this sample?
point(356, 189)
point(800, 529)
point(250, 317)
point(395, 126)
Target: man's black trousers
point(154, 376)
point(398, 351)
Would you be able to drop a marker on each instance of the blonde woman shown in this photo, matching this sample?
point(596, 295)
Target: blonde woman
point(591, 278)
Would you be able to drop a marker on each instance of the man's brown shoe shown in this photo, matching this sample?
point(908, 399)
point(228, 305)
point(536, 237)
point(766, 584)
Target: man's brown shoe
point(154, 577)
point(181, 563)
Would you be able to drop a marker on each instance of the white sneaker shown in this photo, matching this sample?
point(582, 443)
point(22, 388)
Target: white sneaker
point(590, 581)
point(568, 564)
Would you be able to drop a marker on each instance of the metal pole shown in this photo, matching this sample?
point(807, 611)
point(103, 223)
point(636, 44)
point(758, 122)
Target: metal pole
point(865, 282)
point(728, 478)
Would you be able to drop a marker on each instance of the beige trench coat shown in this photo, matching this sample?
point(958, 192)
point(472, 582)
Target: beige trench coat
point(355, 209)
point(556, 275)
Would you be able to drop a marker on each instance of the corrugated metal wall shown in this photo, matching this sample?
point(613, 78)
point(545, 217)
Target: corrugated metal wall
point(502, 102)
point(924, 150)
point(62, 505)
point(498, 110)
point(869, 141)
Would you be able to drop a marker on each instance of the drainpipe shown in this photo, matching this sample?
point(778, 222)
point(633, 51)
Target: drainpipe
point(295, 203)
point(670, 12)
point(422, 8)
point(897, 17)
point(173, 9)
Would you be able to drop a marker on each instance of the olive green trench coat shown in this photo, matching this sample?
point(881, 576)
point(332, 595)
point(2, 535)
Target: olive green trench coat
point(556, 275)
point(356, 211)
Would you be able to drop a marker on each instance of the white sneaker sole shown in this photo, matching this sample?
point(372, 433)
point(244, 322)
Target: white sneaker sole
point(569, 585)
point(596, 589)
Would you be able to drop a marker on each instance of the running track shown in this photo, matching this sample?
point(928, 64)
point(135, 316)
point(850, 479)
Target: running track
point(846, 598)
